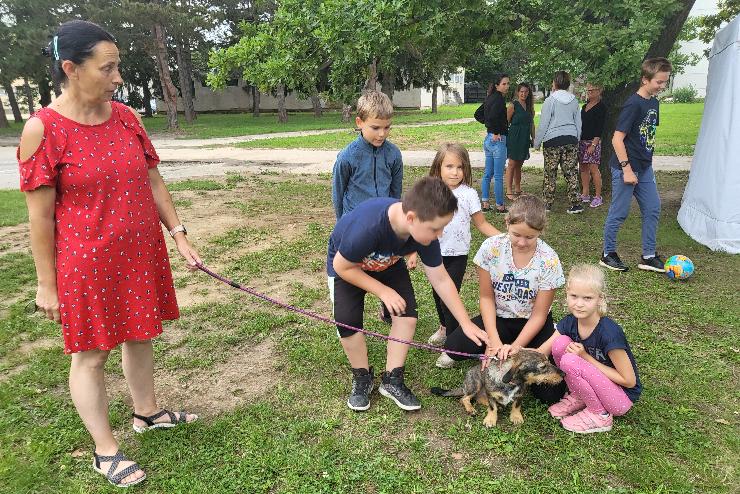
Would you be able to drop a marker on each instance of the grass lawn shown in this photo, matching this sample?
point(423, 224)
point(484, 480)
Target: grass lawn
point(676, 135)
point(12, 208)
point(13, 130)
point(271, 385)
point(235, 124)
point(210, 125)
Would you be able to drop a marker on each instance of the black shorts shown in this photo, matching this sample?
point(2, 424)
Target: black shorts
point(348, 300)
point(508, 331)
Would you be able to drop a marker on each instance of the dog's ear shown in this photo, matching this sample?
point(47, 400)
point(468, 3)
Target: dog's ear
point(515, 363)
point(506, 378)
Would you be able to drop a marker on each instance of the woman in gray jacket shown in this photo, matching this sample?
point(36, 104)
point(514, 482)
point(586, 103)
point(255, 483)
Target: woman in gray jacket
point(559, 132)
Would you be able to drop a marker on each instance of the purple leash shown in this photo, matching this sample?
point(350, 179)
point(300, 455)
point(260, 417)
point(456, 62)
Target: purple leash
point(327, 320)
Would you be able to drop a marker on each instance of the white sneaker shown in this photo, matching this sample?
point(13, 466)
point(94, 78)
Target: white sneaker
point(438, 338)
point(445, 362)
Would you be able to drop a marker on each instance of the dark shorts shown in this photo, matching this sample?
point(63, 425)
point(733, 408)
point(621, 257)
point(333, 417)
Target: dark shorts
point(584, 157)
point(508, 331)
point(348, 300)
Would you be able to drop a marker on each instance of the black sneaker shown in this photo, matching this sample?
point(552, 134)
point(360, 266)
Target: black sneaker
point(575, 209)
point(548, 207)
point(394, 388)
point(362, 386)
point(613, 262)
point(655, 263)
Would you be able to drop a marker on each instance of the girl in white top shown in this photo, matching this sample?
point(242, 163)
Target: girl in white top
point(452, 165)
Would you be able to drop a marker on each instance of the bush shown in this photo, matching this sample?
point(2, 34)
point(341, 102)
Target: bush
point(686, 94)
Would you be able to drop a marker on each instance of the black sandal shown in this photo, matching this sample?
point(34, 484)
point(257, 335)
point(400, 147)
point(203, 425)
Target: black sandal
point(116, 478)
point(176, 419)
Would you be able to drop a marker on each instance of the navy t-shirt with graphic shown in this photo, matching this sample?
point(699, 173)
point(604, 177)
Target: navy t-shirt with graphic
point(365, 236)
point(638, 120)
point(607, 336)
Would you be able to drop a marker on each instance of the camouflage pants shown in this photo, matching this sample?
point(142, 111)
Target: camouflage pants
point(567, 157)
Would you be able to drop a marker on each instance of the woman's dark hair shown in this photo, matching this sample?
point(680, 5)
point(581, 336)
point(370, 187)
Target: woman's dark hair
point(561, 79)
point(529, 102)
point(73, 41)
point(495, 82)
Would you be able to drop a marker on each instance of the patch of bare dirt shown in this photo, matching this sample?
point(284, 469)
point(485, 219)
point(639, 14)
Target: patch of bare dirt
point(15, 238)
point(25, 350)
point(28, 347)
point(210, 216)
point(247, 375)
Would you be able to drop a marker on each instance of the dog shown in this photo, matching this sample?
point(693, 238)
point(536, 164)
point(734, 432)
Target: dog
point(502, 383)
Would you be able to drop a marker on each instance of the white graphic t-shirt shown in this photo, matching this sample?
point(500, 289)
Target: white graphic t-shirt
point(455, 239)
point(515, 289)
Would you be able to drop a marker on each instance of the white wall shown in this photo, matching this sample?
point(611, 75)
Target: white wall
point(422, 98)
point(696, 75)
point(235, 98)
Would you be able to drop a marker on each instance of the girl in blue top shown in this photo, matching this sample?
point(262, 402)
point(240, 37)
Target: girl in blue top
point(592, 350)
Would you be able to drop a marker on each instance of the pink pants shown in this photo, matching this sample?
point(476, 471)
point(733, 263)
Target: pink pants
point(588, 383)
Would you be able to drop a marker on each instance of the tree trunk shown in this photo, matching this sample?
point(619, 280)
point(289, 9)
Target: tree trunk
point(13, 102)
point(45, 91)
point(169, 91)
point(389, 82)
point(316, 103)
point(615, 98)
point(29, 96)
point(372, 80)
point(3, 119)
point(435, 88)
point(346, 113)
point(147, 100)
point(185, 73)
point(255, 101)
point(282, 112)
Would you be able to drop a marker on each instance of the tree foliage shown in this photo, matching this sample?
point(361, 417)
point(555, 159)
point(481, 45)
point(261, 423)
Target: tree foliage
point(708, 25)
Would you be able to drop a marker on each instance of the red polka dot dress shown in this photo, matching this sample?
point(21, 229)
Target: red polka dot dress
point(113, 272)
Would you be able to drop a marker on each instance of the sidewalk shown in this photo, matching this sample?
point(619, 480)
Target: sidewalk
point(183, 158)
point(181, 163)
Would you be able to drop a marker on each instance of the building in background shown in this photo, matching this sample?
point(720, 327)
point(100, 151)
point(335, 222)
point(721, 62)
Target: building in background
point(696, 75)
point(237, 97)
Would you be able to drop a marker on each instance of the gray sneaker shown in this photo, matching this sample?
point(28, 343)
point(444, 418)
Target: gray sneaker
point(394, 388)
point(362, 386)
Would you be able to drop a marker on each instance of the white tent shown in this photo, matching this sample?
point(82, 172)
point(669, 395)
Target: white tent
point(710, 210)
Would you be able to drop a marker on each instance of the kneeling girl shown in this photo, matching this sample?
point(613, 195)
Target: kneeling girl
point(518, 275)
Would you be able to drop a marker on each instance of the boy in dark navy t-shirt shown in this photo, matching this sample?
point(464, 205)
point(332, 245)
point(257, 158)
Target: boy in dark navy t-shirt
point(632, 168)
point(365, 255)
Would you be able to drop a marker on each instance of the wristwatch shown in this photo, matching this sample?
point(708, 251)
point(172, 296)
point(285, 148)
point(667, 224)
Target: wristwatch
point(624, 163)
point(178, 229)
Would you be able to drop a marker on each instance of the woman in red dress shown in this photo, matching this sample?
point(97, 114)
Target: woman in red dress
point(95, 201)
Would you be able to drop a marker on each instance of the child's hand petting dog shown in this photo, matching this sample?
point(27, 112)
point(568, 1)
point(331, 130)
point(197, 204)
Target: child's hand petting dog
point(576, 349)
point(500, 354)
point(491, 354)
point(507, 351)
